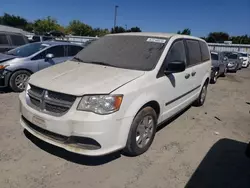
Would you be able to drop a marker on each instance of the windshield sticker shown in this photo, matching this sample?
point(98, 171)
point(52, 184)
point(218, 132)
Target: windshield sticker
point(156, 40)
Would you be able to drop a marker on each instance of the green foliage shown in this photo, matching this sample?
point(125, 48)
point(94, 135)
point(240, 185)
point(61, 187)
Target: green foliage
point(13, 21)
point(186, 31)
point(217, 37)
point(45, 25)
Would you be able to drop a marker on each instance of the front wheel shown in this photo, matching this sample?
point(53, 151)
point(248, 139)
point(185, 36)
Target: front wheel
point(202, 97)
point(142, 132)
point(18, 80)
point(214, 77)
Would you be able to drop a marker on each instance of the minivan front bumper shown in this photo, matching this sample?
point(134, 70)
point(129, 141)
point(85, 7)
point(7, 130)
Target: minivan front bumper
point(79, 132)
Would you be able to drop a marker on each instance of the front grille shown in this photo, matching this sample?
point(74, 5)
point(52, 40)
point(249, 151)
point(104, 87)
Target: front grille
point(50, 102)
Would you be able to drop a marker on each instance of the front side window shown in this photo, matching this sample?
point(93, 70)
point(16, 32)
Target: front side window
point(233, 56)
point(73, 50)
point(176, 53)
point(194, 52)
point(27, 50)
point(17, 40)
point(3, 39)
point(57, 51)
point(124, 51)
point(214, 56)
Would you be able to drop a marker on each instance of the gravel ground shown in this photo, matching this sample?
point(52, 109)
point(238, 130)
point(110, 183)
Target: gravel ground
point(203, 147)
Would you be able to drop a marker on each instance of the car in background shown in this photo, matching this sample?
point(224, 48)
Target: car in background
point(234, 61)
point(39, 38)
point(10, 40)
point(219, 65)
point(114, 93)
point(245, 58)
point(18, 64)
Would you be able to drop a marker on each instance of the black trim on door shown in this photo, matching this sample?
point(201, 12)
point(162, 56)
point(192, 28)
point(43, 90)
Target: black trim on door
point(182, 95)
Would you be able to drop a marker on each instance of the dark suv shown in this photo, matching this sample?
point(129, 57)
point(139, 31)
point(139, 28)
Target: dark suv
point(10, 40)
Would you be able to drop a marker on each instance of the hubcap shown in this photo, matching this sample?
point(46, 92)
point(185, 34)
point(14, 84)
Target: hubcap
point(203, 93)
point(21, 80)
point(144, 131)
point(215, 76)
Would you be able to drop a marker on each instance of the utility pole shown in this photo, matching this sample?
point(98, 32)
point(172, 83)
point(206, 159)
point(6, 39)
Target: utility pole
point(126, 27)
point(116, 7)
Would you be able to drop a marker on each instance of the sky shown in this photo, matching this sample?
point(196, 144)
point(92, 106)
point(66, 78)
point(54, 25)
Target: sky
point(201, 16)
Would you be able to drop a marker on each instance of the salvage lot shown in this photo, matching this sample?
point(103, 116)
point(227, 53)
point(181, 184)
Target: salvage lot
point(211, 138)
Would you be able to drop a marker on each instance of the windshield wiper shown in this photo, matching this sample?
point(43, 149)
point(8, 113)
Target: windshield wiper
point(99, 63)
point(77, 59)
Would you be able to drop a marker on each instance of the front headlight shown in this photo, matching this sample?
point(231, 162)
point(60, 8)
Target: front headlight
point(100, 104)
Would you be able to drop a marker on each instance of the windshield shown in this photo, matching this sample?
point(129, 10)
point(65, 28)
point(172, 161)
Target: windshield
point(233, 56)
point(214, 56)
point(27, 50)
point(124, 51)
point(243, 55)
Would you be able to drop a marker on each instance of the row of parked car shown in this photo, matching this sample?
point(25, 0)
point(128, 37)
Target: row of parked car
point(223, 62)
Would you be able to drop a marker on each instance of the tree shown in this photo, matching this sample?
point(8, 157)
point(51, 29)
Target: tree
point(46, 25)
point(184, 32)
point(76, 27)
point(217, 37)
point(118, 29)
point(99, 32)
point(13, 21)
point(134, 29)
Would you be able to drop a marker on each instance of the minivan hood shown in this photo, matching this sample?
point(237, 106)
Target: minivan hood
point(5, 57)
point(78, 79)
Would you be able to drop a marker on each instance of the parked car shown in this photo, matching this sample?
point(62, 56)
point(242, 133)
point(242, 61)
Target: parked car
point(18, 64)
point(234, 61)
point(38, 38)
point(219, 66)
point(245, 58)
point(116, 91)
point(10, 40)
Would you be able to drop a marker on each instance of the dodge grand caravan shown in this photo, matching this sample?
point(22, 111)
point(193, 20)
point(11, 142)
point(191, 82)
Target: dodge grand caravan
point(115, 92)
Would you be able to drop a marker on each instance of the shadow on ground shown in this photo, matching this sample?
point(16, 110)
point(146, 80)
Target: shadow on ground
point(225, 166)
point(69, 156)
point(5, 90)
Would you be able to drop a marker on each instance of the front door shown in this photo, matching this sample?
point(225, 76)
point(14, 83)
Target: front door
point(175, 88)
point(59, 57)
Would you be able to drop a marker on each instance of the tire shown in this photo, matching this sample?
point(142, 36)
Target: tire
point(13, 82)
point(214, 77)
point(201, 99)
point(224, 73)
point(133, 147)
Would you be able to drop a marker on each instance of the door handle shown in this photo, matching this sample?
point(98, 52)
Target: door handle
point(187, 76)
point(193, 73)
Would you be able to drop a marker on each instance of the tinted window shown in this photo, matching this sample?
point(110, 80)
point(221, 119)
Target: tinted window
point(17, 40)
point(177, 52)
point(214, 56)
point(204, 51)
point(125, 51)
point(27, 50)
point(194, 52)
point(3, 39)
point(233, 56)
point(73, 50)
point(243, 55)
point(57, 51)
point(36, 38)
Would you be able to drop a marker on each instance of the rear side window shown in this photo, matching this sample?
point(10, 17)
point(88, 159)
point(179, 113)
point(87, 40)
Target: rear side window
point(3, 39)
point(17, 40)
point(73, 50)
point(194, 52)
point(57, 51)
point(204, 51)
point(177, 52)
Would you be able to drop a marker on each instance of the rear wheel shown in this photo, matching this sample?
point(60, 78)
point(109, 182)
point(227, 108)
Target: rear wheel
point(18, 80)
point(142, 132)
point(214, 77)
point(202, 97)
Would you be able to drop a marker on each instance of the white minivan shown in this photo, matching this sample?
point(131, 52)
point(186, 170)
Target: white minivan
point(115, 92)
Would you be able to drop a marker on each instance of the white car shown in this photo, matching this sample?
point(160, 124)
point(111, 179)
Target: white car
point(246, 59)
point(115, 92)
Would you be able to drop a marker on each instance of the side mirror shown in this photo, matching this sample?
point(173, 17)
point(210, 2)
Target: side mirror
point(174, 67)
point(49, 56)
